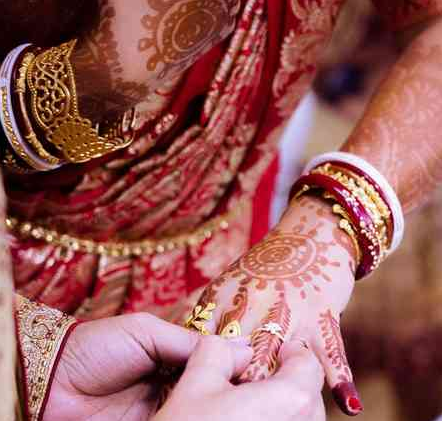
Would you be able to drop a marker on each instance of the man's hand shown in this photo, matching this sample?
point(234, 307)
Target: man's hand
point(205, 391)
point(102, 374)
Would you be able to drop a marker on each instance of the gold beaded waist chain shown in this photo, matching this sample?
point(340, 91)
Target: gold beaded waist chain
point(148, 246)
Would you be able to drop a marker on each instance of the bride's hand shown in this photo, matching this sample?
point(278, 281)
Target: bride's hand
point(142, 45)
point(298, 280)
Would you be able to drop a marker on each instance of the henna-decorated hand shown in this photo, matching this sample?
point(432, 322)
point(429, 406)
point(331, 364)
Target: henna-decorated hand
point(138, 47)
point(300, 277)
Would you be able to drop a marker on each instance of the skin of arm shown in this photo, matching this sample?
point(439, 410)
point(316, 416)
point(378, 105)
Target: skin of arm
point(130, 52)
point(400, 131)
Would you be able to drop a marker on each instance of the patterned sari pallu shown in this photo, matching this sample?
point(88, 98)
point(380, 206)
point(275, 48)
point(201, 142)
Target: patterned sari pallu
point(142, 229)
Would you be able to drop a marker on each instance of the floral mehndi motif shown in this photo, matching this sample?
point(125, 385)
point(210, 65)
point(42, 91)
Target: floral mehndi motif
point(296, 257)
point(181, 31)
point(334, 345)
point(267, 344)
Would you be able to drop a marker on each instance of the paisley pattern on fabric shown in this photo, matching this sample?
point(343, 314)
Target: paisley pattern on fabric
point(184, 167)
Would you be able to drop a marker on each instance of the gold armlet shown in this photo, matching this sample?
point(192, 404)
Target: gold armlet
point(54, 107)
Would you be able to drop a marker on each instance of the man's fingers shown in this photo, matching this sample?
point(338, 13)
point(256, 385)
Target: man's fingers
point(214, 363)
point(296, 387)
point(162, 341)
point(329, 347)
point(126, 348)
point(300, 367)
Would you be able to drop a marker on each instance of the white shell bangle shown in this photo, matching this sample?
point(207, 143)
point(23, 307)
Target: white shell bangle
point(7, 117)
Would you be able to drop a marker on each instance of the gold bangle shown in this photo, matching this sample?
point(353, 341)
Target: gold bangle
point(368, 197)
point(30, 136)
point(346, 226)
point(10, 161)
point(357, 184)
point(54, 106)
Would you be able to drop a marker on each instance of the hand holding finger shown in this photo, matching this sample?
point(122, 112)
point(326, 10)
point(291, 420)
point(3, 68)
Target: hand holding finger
point(214, 363)
point(295, 389)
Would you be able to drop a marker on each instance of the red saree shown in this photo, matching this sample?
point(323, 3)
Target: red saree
point(207, 146)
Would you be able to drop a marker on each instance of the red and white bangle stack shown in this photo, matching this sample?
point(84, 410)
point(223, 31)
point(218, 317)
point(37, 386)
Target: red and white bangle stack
point(371, 212)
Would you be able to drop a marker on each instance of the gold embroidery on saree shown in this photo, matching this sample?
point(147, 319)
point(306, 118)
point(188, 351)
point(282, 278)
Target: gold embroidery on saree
point(41, 331)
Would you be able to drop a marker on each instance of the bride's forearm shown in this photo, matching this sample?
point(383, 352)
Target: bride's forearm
point(400, 130)
point(135, 50)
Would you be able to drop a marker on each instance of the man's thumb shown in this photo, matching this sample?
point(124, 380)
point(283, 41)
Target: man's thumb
point(215, 362)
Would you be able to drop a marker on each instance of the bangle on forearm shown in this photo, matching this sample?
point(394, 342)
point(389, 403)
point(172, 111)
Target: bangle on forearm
point(370, 245)
point(40, 115)
point(365, 170)
point(22, 114)
point(7, 115)
point(369, 198)
point(363, 188)
point(369, 208)
point(54, 107)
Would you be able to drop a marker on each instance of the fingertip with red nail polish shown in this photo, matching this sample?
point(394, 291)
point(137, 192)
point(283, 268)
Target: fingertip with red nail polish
point(347, 398)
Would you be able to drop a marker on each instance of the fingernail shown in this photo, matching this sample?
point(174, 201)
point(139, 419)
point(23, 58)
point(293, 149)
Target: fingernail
point(240, 340)
point(347, 398)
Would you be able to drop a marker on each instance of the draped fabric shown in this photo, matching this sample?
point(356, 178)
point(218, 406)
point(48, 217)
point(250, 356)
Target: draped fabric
point(211, 149)
point(207, 145)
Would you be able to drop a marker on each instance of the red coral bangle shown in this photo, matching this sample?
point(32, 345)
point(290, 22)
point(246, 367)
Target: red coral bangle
point(357, 216)
point(379, 191)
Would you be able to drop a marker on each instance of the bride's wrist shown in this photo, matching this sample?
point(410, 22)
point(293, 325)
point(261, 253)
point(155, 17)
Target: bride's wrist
point(326, 254)
point(316, 217)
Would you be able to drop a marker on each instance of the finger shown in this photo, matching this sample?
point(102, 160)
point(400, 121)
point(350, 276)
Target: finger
point(330, 349)
point(127, 348)
point(296, 386)
point(300, 368)
point(267, 340)
point(162, 341)
point(214, 363)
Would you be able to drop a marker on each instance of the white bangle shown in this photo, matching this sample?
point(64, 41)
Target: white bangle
point(7, 117)
point(381, 183)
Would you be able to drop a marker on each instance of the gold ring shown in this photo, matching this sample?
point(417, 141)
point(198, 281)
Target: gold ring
point(231, 330)
point(200, 315)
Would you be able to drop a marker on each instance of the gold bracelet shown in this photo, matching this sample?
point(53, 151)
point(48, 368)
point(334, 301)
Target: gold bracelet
point(54, 106)
point(10, 161)
point(367, 195)
point(345, 225)
point(30, 136)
